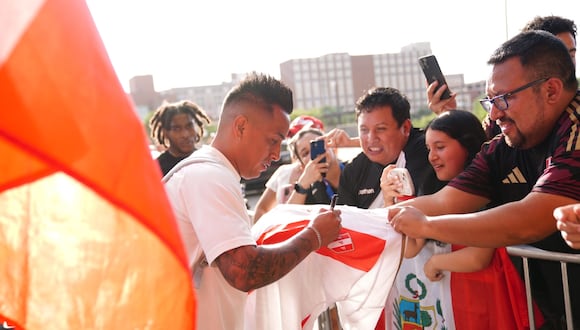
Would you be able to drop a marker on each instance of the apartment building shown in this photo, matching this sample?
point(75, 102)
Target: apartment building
point(143, 94)
point(338, 80)
point(333, 80)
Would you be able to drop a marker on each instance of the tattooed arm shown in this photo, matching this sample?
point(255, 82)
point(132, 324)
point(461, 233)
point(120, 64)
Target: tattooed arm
point(250, 267)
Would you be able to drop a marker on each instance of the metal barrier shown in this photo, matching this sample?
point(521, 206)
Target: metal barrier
point(526, 252)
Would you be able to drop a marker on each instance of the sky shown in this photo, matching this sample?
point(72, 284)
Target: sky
point(185, 43)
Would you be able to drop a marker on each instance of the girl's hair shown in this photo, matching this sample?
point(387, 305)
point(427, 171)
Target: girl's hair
point(462, 126)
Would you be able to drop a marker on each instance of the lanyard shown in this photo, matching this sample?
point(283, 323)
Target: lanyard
point(329, 191)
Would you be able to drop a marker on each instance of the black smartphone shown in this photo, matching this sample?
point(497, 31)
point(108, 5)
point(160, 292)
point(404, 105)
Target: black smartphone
point(432, 72)
point(317, 148)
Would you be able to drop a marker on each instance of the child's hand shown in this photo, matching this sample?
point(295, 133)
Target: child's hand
point(431, 270)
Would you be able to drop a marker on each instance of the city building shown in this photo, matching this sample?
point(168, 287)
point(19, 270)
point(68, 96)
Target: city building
point(143, 94)
point(332, 80)
point(338, 80)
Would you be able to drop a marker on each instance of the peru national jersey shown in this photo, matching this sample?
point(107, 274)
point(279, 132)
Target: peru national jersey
point(355, 271)
point(504, 174)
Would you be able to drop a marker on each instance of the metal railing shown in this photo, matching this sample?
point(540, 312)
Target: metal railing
point(526, 252)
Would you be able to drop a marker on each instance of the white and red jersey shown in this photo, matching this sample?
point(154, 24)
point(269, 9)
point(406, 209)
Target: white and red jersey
point(355, 271)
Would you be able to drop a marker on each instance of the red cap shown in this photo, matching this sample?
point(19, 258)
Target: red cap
point(301, 122)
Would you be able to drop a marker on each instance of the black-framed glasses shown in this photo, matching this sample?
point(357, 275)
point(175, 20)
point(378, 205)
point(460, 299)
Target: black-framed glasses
point(501, 102)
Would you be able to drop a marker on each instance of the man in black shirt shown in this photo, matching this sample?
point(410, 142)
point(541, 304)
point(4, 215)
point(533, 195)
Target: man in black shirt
point(386, 137)
point(173, 126)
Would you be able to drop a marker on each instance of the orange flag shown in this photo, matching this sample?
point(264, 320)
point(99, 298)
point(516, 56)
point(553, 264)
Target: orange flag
point(87, 235)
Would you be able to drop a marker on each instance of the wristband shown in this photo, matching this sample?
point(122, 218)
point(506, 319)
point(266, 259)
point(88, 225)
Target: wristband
point(318, 237)
point(299, 189)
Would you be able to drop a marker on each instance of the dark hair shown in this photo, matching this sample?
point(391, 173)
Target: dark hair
point(264, 89)
point(553, 24)
point(462, 126)
point(541, 54)
point(163, 115)
point(385, 96)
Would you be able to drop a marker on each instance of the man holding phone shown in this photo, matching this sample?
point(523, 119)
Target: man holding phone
point(563, 28)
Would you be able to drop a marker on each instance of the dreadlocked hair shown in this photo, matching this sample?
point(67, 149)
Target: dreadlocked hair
point(163, 115)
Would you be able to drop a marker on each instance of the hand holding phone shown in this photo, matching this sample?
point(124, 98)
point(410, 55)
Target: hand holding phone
point(432, 72)
point(317, 148)
point(405, 178)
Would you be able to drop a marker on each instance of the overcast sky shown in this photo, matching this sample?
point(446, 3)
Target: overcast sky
point(191, 42)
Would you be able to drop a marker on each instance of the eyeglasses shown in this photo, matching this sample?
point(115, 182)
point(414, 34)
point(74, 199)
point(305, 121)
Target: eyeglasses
point(501, 102)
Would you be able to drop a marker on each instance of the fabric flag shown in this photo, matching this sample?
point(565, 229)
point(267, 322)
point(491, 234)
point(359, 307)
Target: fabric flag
point(414, 301)
point(87, 235)
point(493, 298)
point(355, 271)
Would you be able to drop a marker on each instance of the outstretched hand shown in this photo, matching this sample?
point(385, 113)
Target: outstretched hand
point(408, 220)
point(568, 222)
point(338, 138)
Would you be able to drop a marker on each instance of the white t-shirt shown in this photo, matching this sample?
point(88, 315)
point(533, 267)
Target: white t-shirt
point(205, 193)
point(283, 177)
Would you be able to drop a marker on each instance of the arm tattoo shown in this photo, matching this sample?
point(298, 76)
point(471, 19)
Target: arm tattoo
point(251, 267)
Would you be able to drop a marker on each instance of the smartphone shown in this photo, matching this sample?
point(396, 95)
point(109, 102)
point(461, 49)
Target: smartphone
point(405, 178)
point(317, 148)
point(432, 72)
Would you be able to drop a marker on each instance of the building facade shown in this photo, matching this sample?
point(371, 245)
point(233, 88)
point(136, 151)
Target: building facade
point(338, 80)
point(332, 80)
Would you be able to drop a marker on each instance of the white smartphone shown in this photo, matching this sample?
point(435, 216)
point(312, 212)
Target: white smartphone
point(405, 178)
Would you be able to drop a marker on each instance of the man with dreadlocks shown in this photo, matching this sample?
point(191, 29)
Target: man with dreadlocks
point(172, 126)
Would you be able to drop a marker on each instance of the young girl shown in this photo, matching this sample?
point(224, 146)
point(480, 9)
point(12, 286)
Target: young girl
point(319, 180)
point(485, 290)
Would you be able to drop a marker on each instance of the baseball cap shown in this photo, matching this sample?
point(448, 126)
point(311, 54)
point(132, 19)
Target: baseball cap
point(302, 122)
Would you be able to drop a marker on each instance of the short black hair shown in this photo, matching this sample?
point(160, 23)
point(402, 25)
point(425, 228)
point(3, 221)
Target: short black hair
point(385, 96)
point(263, 89)
point(553, 24)
point(541, 54)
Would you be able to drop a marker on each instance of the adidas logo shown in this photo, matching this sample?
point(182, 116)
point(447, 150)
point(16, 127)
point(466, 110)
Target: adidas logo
point(515, 176)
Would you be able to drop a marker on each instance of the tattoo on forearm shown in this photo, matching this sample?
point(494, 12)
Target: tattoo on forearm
point(251, 267)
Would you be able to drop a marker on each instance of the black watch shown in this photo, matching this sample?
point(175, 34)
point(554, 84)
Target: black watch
point(298, 188)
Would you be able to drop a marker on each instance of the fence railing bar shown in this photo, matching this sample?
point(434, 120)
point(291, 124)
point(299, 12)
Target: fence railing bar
point(529, 294)
point(526, 251)
point(567, 304)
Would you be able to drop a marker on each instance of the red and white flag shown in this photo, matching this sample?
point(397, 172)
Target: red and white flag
point(87, 235)
point(492, 298)
point(355, 271)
